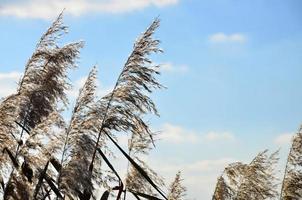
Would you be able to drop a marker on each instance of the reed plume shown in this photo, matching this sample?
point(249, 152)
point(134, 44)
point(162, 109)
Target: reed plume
point(139, 146)
point(255, 181)
point(51, 159)
point(292, 180)
point(177, 191)
point(41, 88)
point(123, 108)
point(75, 178)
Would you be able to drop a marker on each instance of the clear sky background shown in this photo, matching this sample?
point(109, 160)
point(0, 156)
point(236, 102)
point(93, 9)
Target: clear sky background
point(233, 70)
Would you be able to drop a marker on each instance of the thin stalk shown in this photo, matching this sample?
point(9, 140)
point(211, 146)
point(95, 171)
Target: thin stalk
point(121, 188)
point(125, 193)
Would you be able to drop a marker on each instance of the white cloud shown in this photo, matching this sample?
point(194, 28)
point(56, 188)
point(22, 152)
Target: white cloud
point(224, 38)
point(209, 165)
point(8, 82)
point(176, 134)
point(199, 176)
point(219, 136)
point(48, 9)
point(284, 139)
point(169, 67)
point(200, 166)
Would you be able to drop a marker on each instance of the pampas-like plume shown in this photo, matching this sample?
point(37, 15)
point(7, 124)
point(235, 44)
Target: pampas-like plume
point(42, 86)
point(292, 181)
point(79, 116)
point(136, 182)
point(17, 189)
point(176, 190)
point(222, 190)
point(254, 181)
point(47, 42)
point(122, 109)
point(9, 109)
point(44, 81)
point(138, 146)
point(259, 178)
point(34, 109)
point(75, 178)
point(40, 147)
point(229, 182)
point(43, 141)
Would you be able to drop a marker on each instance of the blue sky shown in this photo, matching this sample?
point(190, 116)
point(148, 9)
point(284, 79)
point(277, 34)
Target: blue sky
point(233, 71)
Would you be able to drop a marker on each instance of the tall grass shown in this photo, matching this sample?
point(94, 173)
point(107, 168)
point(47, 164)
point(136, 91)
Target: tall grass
point(45, 157)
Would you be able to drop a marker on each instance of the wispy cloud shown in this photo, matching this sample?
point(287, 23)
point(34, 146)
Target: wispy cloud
point(177, 134)
point(219, 136)
point(170, 67)
point(284, 139)
point(46, 9)
point(209, 165)
point(227, 38)
point(199, 166)
point(199, 176)
point(8, 82)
